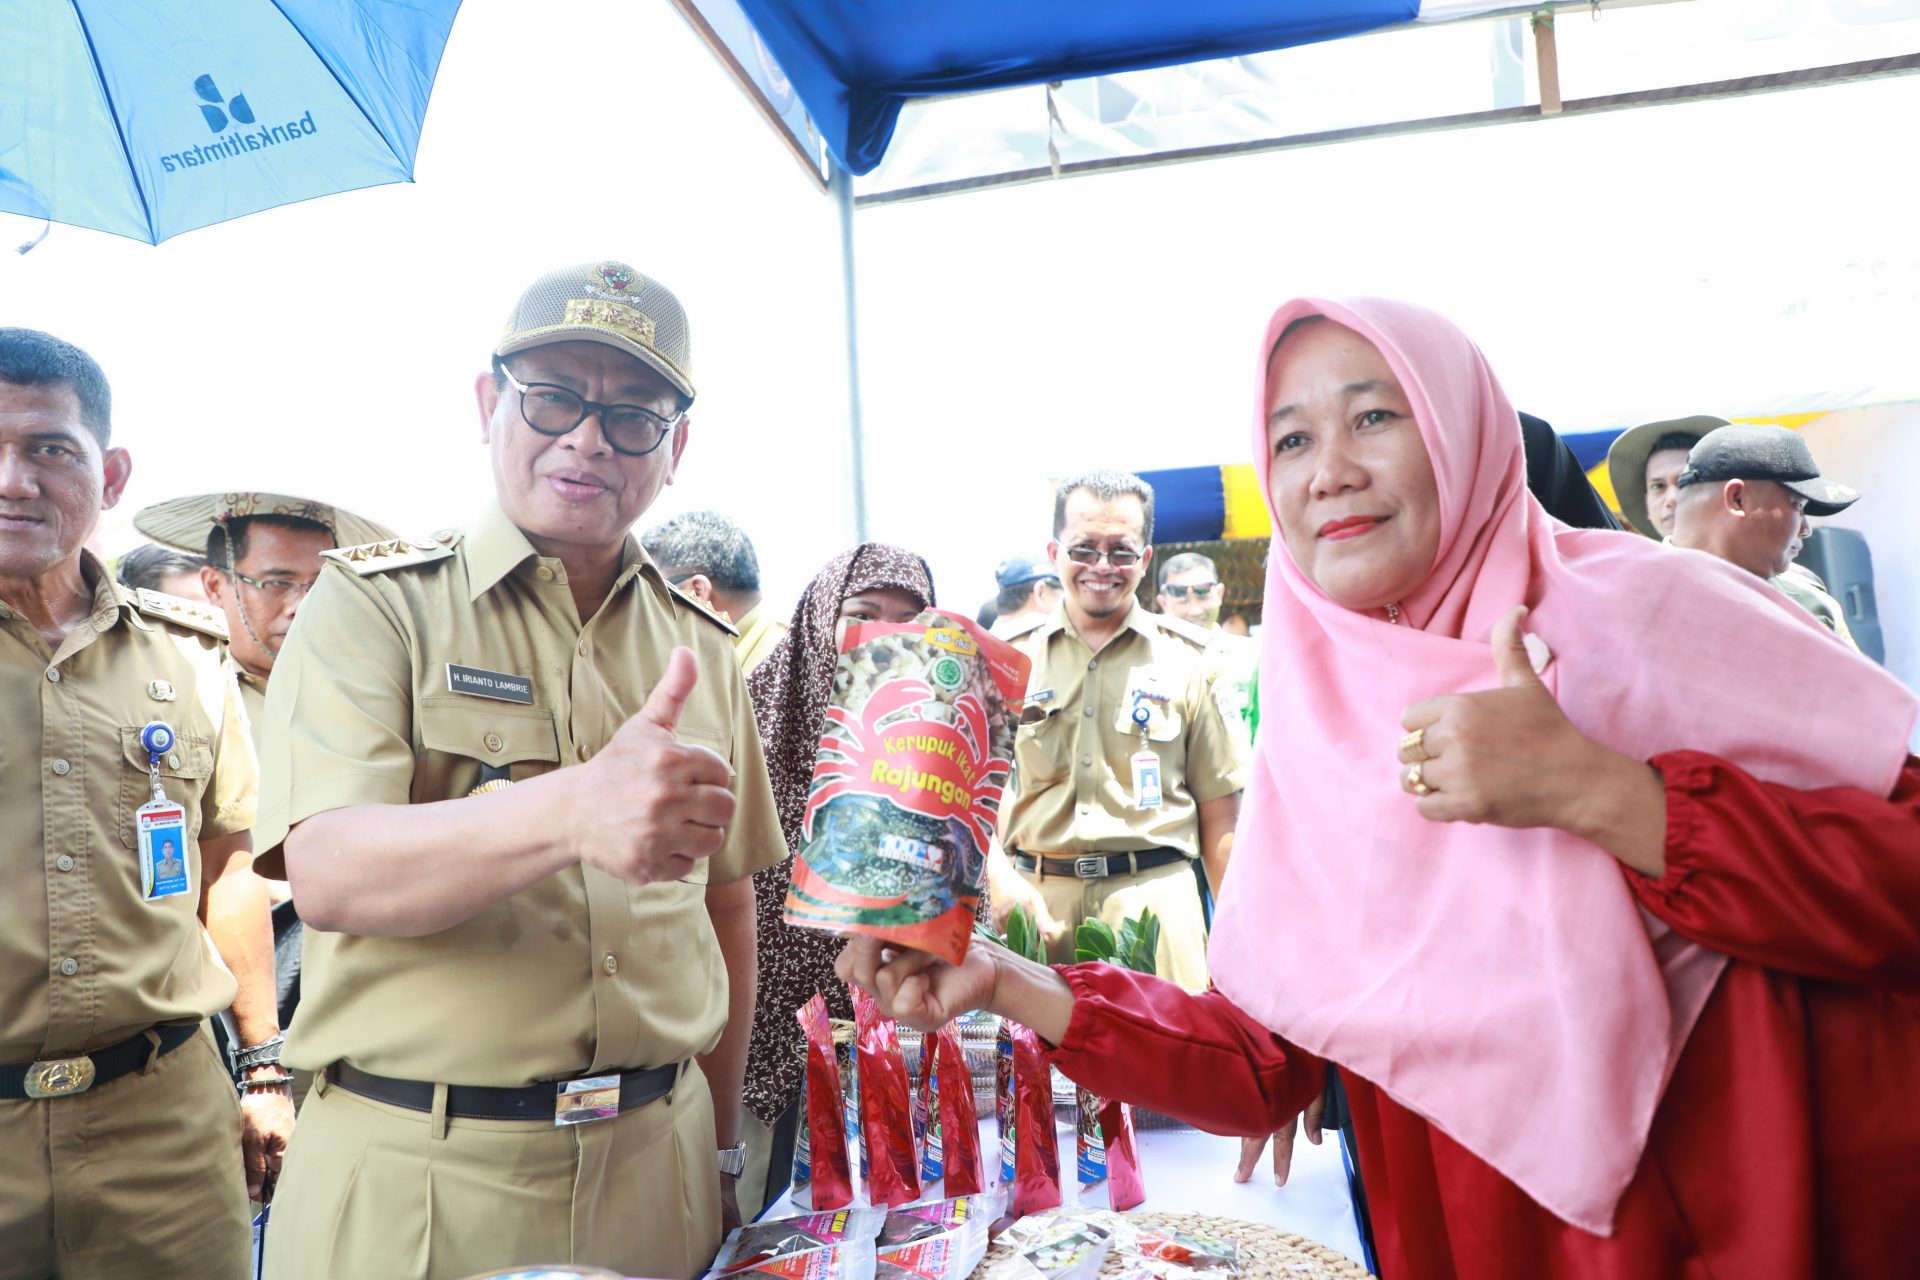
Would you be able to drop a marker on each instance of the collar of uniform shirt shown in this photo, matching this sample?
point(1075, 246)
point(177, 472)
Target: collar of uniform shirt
point(496, 547)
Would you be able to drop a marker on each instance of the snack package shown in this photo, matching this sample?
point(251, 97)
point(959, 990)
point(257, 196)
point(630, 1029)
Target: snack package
point(926, 1120)
point(1056, 1247)
point(844, 1059)
point(885, 1106)
point(850, 1260)
point(1106, 1150)
point(830, 1183)
point(946, 1255)
point(802, 1142)
point(1003, 1097)
point(1188, 1254)
point(918, 1221)
point(1036, 1148)
point(913, 758)
point(955, 1135)
point(759, 1242)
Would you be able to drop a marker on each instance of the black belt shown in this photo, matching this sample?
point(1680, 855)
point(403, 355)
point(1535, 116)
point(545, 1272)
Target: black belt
point(59, 1077)
point(480, 1102)
point(1098, 866)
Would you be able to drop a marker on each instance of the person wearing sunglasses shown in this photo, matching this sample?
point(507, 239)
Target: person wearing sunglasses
point(515, 779)
point(1126, 772)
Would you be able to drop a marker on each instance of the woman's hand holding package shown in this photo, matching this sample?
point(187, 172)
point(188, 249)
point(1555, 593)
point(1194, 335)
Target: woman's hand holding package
point(1510, 757)
point(926, 992)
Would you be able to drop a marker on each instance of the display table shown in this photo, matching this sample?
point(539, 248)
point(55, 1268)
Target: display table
point(1189, 1172)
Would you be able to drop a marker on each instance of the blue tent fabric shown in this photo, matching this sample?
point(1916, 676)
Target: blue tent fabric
point(146, 120)
point(1591, 446)
point(854, 63)
point(1189, 504)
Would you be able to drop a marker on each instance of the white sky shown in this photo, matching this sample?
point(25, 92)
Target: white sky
point(1747, 256)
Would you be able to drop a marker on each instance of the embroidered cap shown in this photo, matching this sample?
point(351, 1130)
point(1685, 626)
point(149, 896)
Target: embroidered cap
point(610, 303)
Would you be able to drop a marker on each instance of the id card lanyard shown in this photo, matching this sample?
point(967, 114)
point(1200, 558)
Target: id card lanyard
point(1146, 765)
point(160, 825)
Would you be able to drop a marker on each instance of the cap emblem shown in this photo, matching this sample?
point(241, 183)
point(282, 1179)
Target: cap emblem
point(611, 276)
point(622, 319)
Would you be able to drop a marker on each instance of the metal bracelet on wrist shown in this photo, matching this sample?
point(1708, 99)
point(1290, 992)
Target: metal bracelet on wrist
point(264, 1054)
point(260, 1084)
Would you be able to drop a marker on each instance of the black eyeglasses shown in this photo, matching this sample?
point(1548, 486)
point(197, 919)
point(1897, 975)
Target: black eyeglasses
point(1119, 557)
point(630, 429)
point(277, 588)
point(1181, 590)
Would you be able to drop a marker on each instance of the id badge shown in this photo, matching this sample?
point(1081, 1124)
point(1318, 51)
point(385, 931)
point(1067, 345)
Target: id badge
point(1146, 780)
point(160, 828)
point(584, 1101)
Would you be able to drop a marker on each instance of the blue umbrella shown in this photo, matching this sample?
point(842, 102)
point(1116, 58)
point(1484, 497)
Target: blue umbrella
point(147, 119)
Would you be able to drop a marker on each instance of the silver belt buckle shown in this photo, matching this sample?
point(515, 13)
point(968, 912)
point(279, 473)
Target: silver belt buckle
point(585, 1101)
point(59, 1077)
point(1091, 868)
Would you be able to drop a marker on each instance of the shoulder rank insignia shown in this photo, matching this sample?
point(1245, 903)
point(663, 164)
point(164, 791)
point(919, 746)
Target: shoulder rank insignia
point(395, 553)
point(1027, 626)
point(1199, 637)
point(191, 614)
point(703, 609)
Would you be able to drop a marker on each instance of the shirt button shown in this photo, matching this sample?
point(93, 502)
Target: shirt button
point(492, 742)
point(610, 964)
point(173, 761)
point(544, 573)
point(583, 648)
point(53, 674)
point(1086, 711)
point(582, 753)
point(62, 768)
point(64, 862)
point(1086, 760)
point(69, 966)
point(1093, 664)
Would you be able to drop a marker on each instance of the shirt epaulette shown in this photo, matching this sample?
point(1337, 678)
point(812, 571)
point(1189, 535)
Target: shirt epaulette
point(1199, 637)
point(704, 610)
point(1027, 626)
point(191, 614)
point(395, 553)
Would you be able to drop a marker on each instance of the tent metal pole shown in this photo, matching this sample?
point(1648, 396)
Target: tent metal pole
point(841, 186)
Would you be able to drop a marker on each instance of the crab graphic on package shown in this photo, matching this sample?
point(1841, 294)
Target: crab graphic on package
point(914, 755)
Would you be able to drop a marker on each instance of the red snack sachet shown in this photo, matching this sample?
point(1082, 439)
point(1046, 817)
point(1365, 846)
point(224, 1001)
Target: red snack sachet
point(1036, 1148)
point(1125, 1189)
point(926, 1118)
point(886, 1118)
point(832, 1183)
point(959, 1119)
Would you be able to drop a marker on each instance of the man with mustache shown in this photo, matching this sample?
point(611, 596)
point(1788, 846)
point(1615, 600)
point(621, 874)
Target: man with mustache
point(1125, 771)
point(516, 782)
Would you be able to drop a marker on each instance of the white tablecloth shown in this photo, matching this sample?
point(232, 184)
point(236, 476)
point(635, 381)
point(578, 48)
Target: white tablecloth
point(1188, 1172)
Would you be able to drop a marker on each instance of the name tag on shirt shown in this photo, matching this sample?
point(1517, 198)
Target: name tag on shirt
point(498, 685)
point(161, 828)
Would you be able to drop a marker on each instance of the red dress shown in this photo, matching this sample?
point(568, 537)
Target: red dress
point(1788, 1141)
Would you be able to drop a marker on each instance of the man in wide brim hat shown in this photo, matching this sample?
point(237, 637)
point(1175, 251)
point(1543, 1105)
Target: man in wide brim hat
point(1643, 463)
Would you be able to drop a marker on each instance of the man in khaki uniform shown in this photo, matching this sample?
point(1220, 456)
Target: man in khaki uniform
point(1111, 682)
point(122, 1135)
point(261, 556)
point(710, 558)
point(521, 797)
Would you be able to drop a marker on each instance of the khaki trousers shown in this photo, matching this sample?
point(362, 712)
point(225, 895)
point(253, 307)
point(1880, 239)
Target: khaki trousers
point(1171, 891)
point(377, 1190)
point(137, 1177)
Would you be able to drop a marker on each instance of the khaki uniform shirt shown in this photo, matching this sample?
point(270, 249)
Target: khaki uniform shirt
point(1072, 757)
point(760, 633)
point(581, 972)
point(253, 693)
point(1805, 590)
point(85, 959)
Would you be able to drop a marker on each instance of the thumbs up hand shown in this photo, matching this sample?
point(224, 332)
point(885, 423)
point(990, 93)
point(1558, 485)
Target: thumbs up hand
point(1507, 756)
point(652, 805)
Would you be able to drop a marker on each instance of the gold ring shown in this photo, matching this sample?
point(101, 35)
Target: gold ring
point(1416, 742)
point(1416, 783)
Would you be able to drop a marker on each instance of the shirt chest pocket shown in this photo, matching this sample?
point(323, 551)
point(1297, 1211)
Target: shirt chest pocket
point(481, 742)
point(1157, 715)
point(1040, 747)
point(184, 772)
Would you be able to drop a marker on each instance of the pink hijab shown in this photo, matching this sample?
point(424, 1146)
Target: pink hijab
point(1504, 984)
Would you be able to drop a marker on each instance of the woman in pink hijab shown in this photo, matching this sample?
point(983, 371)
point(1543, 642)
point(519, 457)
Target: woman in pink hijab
point(1594, 865)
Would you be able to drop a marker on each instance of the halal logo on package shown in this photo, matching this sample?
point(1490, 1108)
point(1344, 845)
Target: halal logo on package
point(947, 673)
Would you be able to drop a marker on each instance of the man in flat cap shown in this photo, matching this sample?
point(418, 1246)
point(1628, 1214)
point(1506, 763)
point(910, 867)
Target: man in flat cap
point(520, 795)
point(1746, 494)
